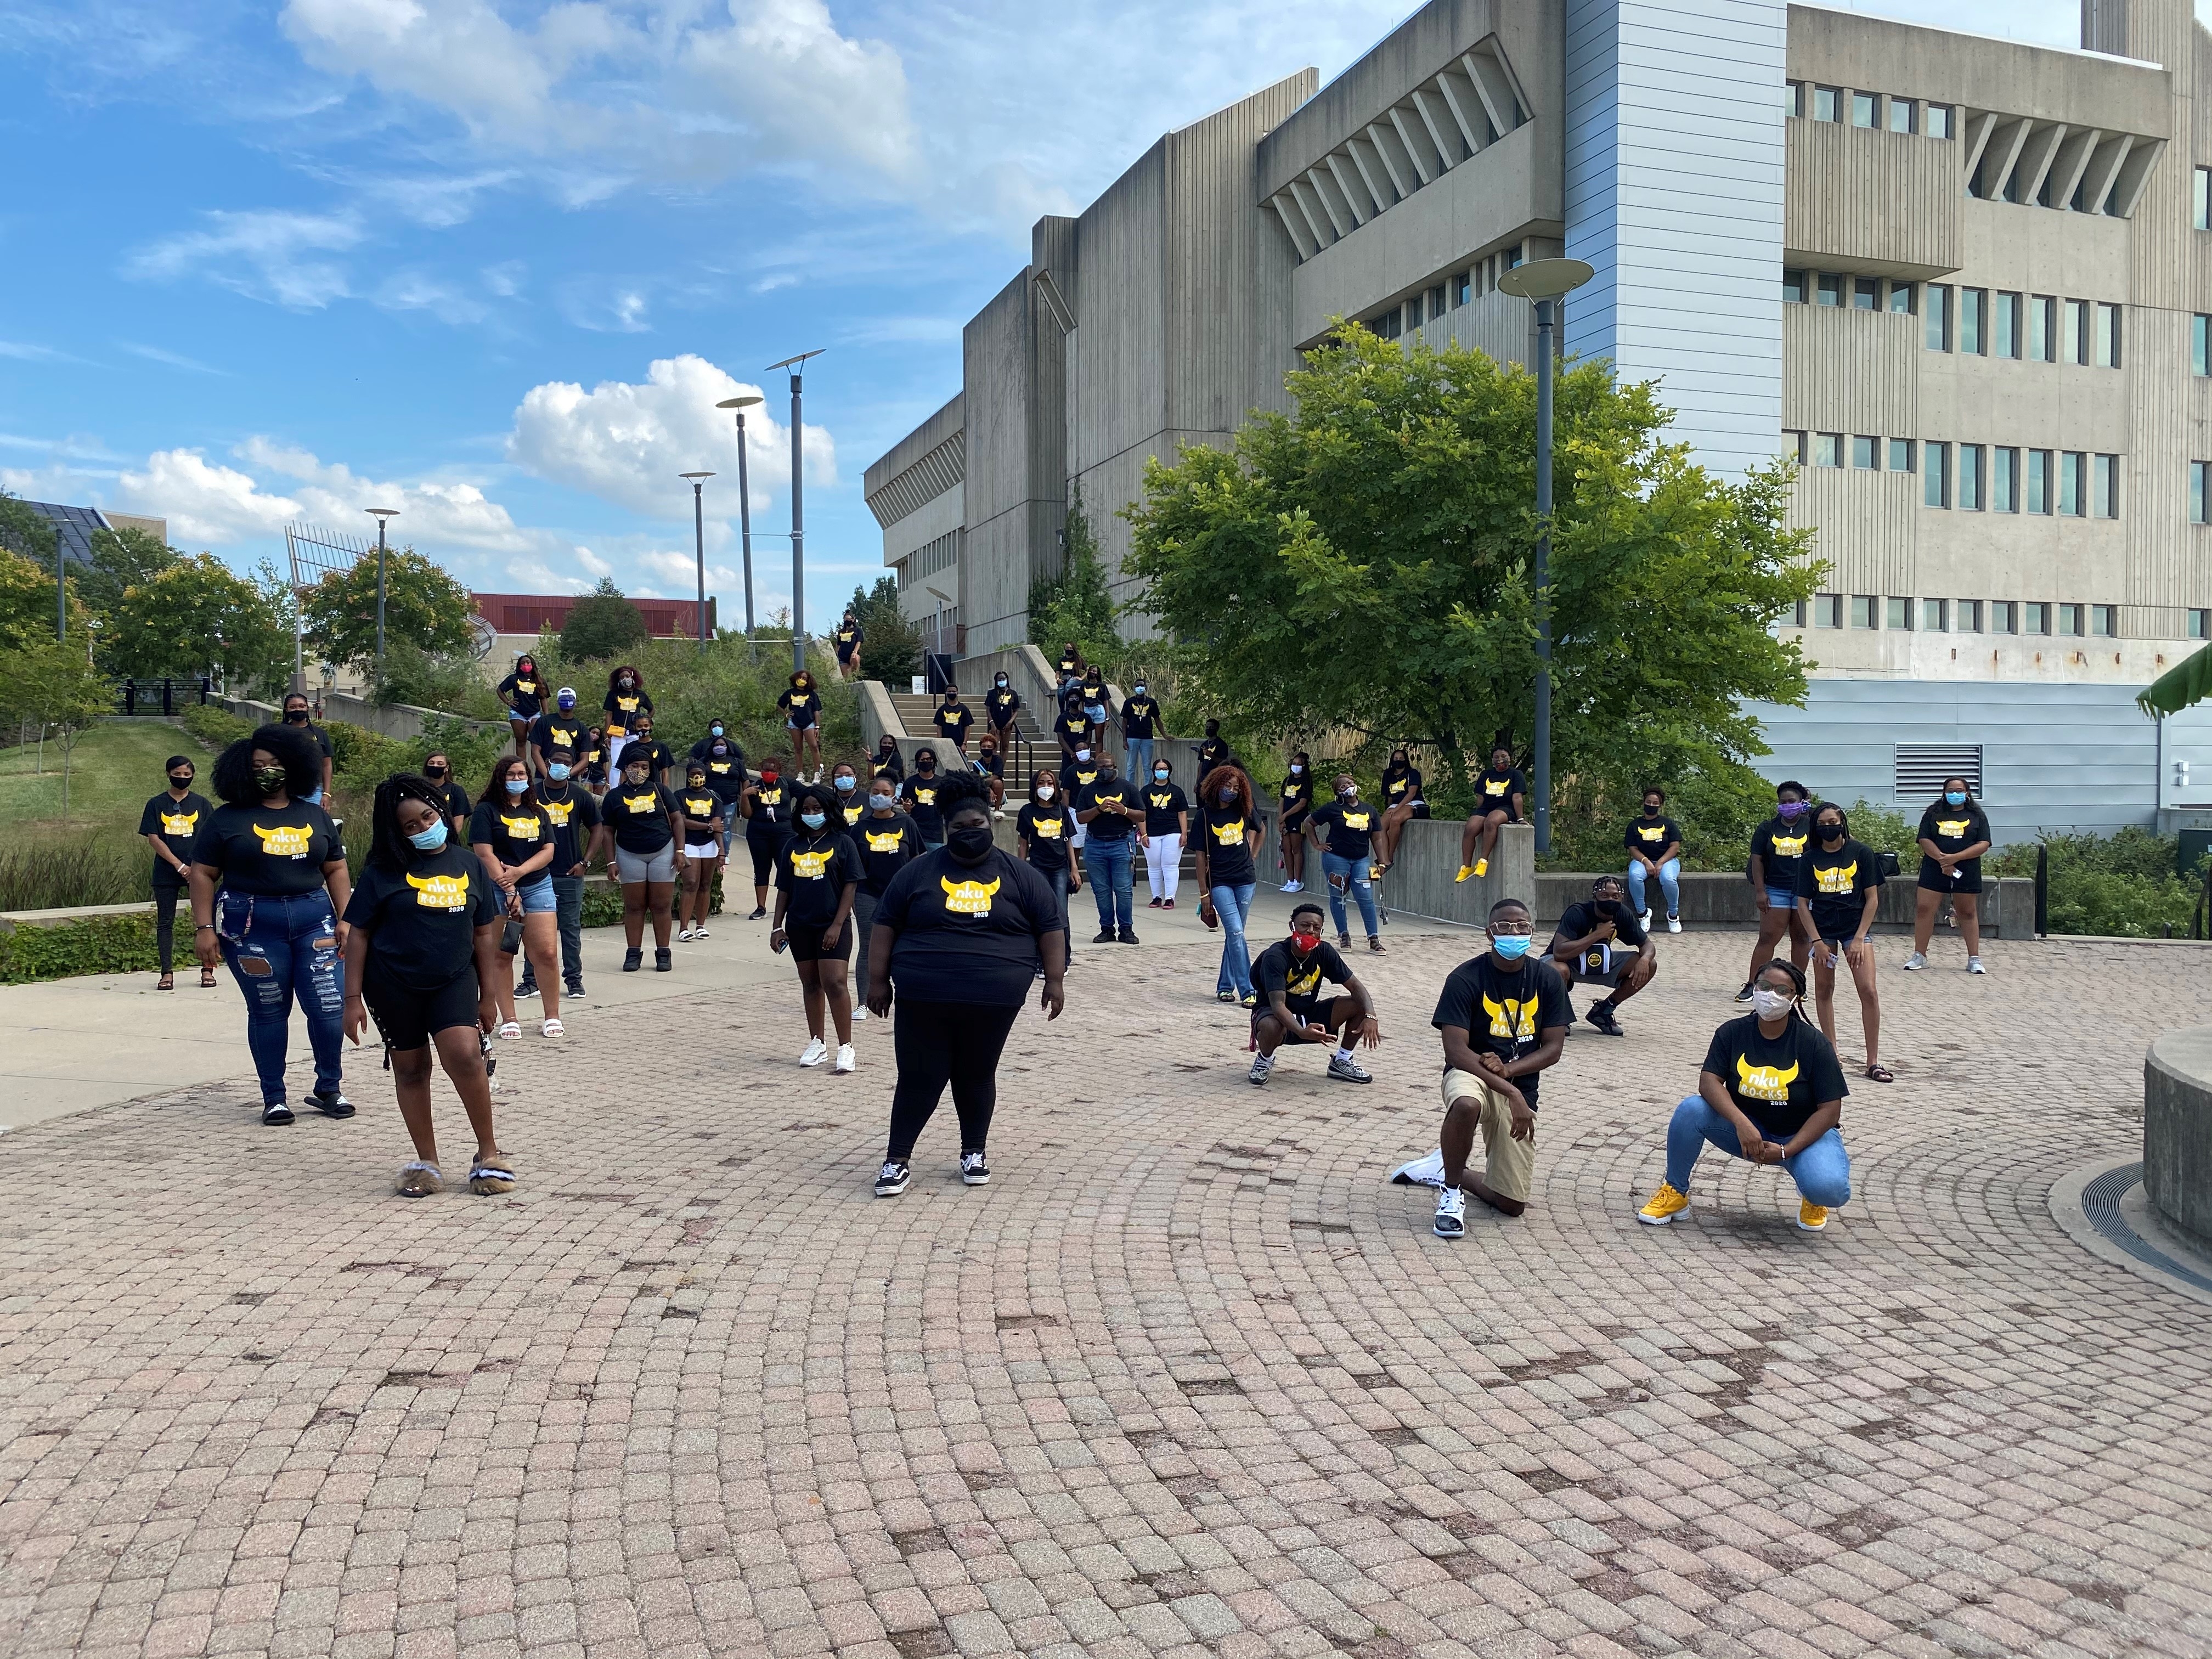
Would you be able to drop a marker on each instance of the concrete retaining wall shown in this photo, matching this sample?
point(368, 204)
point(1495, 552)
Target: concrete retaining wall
point(401, 722)
point(2178, 1130)
point(1724, 899)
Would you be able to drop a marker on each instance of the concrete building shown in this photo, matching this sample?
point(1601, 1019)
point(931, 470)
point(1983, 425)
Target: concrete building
point(1966, 282)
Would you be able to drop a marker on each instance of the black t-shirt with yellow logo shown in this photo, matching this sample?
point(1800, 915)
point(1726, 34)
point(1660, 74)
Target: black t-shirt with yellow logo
point(1001, 706)
point(276, 851)
point(725, 766)
point(422, 920)
point(1781, 845)
point(917, 794)
point(1506, 1011)
point(699, 808)
point(623, 710)
point(1776, 1082)
point(852, 808)
point(1953, 829)
point(1223, 831)
point(1401, 786)
point(1048, 829)
point(887, 845)
point(516, 831)
point(771, 814)
point(1351, 826)
point(1297, 978)
point(178, 823)
point(968, 934)
point(526, 690)
point(1164, 806)
point(1495, 790)
point(574, 815)
point(638, 814)
point(953, 719)
point(815, 870)
point(1652, 836)
point(552, 731)
point(1836, 884)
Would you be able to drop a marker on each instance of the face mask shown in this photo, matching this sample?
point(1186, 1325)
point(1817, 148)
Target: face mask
point(1651, 808)
point(1083, 753)
point(970, 844)
point(811, 820)
point(516, 786)
point(268, 779)
point(627, 684)
point(430, 839)
point(1769, 1003)
point(846, 783)
point(645, 734)
point(1956, 796)
point(882, 803)
point(1228, 798)
point(1512, 946)
point(636, 780)
point(714, 731)
point(1350, 792)
point(1002, 681)
point(566, 704)
point(1790, 809)
point(1832, 832)
point(1046, 791)
point(1297, 770)
point(925, 766)
point(1159, 775)
point(769, 779)
point(184, 782)
point(296, 717)
point(1140, 690)
point(433, 771)
point(1303, 944)
point(1106, 772)
point(558, 771)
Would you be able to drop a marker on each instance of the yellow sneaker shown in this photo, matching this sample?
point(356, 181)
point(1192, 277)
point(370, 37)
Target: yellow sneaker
point(1666, 1203)
point(1482, 866)
point(1811, 1216)
point(1465, 870)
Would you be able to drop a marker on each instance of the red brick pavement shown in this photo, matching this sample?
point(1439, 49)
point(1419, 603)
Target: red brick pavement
point(1190, 1378)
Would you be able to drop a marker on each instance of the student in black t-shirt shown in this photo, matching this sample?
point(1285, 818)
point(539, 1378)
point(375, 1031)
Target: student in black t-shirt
point(1776, 847)
point(1072, 726)
point(1046, 836)
point(574, 815)
point(1838, 888)
point(888, 762)
point(1098, 705)
point(1289, 976)
point(1077, 775)
point(726, 774)
point(422, 953)
point(296, 717)
point(818, 874)
point(1296, 799)
point(1501, 796)
point(952, 719)
point(1070, 665)
point(1954, 833)
point(592, 761)
point(766, 808)
point(845, 790)
point(705, 820)
point(1654, 842)
point(848, 639)
point(1770, 1092)
point(1503, 1016)
point(802, 717)
point(626, 699)
point(1167, 821)
point(523, 694)
point(1212, 749)
point(961, 933)
point(438, 767)
point(1000, 704)
point(639, 820)
point(1587, 946)
point(1344, 830)
point(887, 843)
point(1229, 828)
point(1112, 813)
point(918, 794)
point(559, 728)
point(659, 761)
point(511, 833)
point(1403, 800)
point(991, 767)
point(285, 886)
point(1141, 726)
point(171, 822)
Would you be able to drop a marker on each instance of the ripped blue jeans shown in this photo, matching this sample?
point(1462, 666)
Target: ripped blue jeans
point(279, 945)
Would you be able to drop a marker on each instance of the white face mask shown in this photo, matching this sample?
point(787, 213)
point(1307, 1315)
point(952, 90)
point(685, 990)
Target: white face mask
point(1045, 791)
point(1769, 1003)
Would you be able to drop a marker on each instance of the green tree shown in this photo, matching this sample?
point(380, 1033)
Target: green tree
point(893, 651)
point(51, 686)
point(602, 625)
point(197, 615)
point(120, 559)
point(422, 602)
point(1076, 604)
point(26, 602)
point(1363, 564)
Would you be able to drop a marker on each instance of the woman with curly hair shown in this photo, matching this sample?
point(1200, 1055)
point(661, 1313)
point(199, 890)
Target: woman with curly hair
point(421, 954)
point(1228, 826)
point(284, 885)
point(626, 699)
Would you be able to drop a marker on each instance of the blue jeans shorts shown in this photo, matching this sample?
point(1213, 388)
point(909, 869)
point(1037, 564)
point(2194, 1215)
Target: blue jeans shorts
point(537, 895)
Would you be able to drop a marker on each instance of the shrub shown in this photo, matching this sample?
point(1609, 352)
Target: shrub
point(452, 682)
point(97, 944)
point(601, 625)
point(216, 727)
point(62, 873)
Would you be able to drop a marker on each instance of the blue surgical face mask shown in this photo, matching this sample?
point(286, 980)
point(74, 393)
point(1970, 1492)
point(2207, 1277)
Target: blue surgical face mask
point(812, 820)
point(1140, 688)
point(516, 786)
point(846, 783)
point(715, 729)
point(881, 803)
point(558, 771)
point(1956, 796)
point(568, 705)
point(430, 839)
point(1160, 773)
point(1512, 946)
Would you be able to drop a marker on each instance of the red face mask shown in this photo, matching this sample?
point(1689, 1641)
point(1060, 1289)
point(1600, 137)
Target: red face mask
point(1303, 944)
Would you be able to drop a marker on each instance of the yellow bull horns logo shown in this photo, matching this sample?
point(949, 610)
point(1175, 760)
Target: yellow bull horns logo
point(285, 841)
point(440, 893)
point(969, 898)
point(1764, 1082)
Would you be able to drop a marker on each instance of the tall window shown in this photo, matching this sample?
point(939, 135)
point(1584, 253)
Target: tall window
point(1973, 305)
point(1970, 477)
point(2004, 326)
point(1462, 289)
point(1827, 610)
point(2004, 480)
point(2034, 617)
point(1862, 109)
point(2073, 493)
point(2105, 345)
point(2200, 623)
point(1935, 475)
point(2070, 621)
point(1866, 611)
point(1900, 114)
point(2200, 344)
point(1793, 98)
point(2042, 328)
point(2039, 492)
point(2202, 217)
point(2197, 469)
point(1969, 615)
point(1865, 292)
point(1900, 613)
point(1827, 104)
point(2104, 487)
point(1933, 615)
point(2072, 332)
point(1793, 288)
point(1938, 125)
point(1938, 316)
point(2004, 615)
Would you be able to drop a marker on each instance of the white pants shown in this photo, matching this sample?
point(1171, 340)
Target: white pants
point(1163, 865)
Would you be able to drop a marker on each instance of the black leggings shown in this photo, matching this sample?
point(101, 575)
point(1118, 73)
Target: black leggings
point(941, 1042)
point(165, 922)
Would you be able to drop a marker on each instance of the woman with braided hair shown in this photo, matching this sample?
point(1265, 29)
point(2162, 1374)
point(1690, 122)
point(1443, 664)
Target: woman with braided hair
point(421, 954)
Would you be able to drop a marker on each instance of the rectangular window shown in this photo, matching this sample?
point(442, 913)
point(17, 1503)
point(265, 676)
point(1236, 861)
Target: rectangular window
point(1831, 289)
point(2200, 623)
point(2039, 481)
point(1970, 477)
point(1436, 302)
point(2042, 328)
point(1938, 316)
point(2197, 469)
point(1827, 449)
point(1414, 313)
point(2201, 216)
point(1866, 453)
point(1901, 298)
point(1935, 475)
point(1793, 446)
point(1900, 114)
point(2004, 326)
point(1793, 288)
point(2069, 621)
point(1865, 294)
point(1934, 618)
point(2104, 487)
point(1827, 104)
point(1900, 613)
point(2034, 617)
point(2200, 344)
point(1827, 610)
point(1968, 613)
point(1862, 109)
point(1938, 125)
point(1386, 324)
point(2004, 480)
point(1973, 305)
point(2074, 332)
point(1793, 98)
point(2105, 351)
point(1462, 289)
point(1900, 454)
point(1866, 611)
point(2105, 620)
point(2004, 617)
point(2073, 493)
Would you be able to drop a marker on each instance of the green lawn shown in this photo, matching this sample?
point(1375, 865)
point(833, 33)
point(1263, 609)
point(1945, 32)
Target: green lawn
point(117, 764)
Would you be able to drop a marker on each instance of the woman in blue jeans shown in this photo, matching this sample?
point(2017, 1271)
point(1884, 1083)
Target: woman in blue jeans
point(512, 836)
point(282, 871)
point(1770, 1092)
point(1654, 850)
point(1343, 829)
point(1228, 827)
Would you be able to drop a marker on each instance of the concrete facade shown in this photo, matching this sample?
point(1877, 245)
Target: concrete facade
point(1968, 282)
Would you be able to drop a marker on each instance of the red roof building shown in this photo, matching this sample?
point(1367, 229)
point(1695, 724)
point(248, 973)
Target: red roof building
point(532, 614)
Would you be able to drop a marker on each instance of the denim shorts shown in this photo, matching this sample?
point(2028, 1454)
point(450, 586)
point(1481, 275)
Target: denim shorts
point(1781, 898)
point(537, 895)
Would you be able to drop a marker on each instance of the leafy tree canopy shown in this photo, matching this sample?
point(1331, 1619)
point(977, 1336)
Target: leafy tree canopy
point(893, 651)
point(1076, 604)
point(194, 616)
point(1362, 565)
point(602, 625)
point(120, 558)
point(422, 602)
point(27, 601)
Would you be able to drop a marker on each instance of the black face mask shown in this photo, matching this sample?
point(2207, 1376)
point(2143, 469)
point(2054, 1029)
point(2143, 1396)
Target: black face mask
point(971, 844)
point(433, 771)
point(296, 717)
point(176, 782)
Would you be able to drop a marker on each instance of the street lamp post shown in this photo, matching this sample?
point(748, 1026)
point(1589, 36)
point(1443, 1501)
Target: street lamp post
point(1546, 281)
point(699, 542)
point(796, 365)
point(744, 500)
point(382, 515)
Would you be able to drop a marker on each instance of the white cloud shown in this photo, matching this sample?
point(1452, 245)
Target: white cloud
point(266, 253)
point(626, 442)
point(206, 504)
point(170, 359)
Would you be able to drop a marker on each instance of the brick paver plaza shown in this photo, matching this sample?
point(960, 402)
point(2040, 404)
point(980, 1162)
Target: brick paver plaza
point(1190, 1378)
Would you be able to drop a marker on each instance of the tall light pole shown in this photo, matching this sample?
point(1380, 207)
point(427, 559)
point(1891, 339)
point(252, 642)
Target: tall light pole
point(798, 514)
point(380, 514)
point(1546, 281)
point(699, 541)
point(744, 500)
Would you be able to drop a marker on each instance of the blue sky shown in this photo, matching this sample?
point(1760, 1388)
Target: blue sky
point(492, 262)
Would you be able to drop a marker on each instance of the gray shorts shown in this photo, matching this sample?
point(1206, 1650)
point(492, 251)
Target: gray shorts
point(634, 867)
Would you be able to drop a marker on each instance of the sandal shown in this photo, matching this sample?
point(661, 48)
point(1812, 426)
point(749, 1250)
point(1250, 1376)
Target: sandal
point(207, 979)
point(553, 1027)
point(166, 982)
point(1880, 1074)
point(420, 1180)
point(509, 1029)
point(489, 1178)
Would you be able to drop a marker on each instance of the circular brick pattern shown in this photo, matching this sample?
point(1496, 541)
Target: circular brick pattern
point(1190, 1377)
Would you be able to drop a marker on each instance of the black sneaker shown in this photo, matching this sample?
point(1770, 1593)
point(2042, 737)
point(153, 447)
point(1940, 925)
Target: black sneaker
point(332, 1104)
point(527, 988)
point(573, 990)
point(975, 1169)
point(756, 914)
point(276, 1114)
point(1603, 1022)
point(633, 959)
point(1129, 937)
point(664, 960)
point(891, 1180)
point(1744, 995)
point(1105, 937)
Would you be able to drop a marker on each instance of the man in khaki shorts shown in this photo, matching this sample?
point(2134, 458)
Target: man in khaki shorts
point(1503, 1016)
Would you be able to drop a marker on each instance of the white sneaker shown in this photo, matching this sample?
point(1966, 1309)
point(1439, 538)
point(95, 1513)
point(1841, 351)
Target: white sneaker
point(1263, 1068)
point(1974, 965)
point(845, 1060)
point(815, 1053)
point(1915, 962)
point(860, 1012)
point(1451, 1213)
point(1643, 920)
point(1673, 923)
point(1294, 887)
